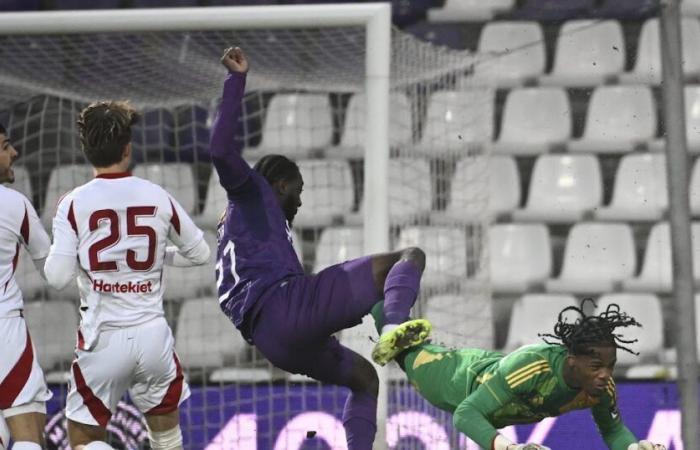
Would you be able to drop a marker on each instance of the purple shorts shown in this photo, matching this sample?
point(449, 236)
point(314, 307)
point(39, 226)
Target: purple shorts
point(294, 327)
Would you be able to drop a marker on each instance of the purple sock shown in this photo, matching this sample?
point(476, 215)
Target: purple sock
point(400, 291)
point(360, 420)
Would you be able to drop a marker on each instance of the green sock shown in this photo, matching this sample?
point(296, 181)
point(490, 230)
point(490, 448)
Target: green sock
point(378, 315)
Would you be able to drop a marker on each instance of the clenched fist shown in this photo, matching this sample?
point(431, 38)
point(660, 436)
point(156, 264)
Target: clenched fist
point(234, 60)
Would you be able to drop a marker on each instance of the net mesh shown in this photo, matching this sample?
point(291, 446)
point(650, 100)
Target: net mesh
point(304, 99)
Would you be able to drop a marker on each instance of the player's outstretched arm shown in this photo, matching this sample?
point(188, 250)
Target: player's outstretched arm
point(224, 148)
point(190, 248)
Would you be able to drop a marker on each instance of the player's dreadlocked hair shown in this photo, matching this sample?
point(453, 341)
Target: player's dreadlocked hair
point(276, 167)
point(587, 331)
point(105, 129)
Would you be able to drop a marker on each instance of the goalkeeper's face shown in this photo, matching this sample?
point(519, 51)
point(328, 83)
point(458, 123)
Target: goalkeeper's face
point(289, 194)
point(8, 155)
point(593, 372)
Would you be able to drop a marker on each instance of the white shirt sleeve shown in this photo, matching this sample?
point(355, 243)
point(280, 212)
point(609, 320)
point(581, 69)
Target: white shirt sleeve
point(61, 264)
point(34, 237)
point(187, 237)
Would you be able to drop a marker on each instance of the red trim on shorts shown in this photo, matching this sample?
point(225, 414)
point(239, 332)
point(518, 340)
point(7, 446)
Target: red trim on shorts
point(175, 219)
point(15, 380)
point(171, 400)
point(97, 409)
point(71, 218)
point(111, 176)
point(24, 229)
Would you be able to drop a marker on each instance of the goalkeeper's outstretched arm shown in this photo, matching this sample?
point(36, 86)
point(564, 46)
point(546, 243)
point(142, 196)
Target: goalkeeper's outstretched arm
point(224, 148)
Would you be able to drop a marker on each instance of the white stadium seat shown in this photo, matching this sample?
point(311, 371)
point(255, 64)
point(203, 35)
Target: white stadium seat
point(510, 53)
point(520, 256)
point(640, 191)
point(338, 244)
point(692, 122)
point(646, 309)
point(647, 68)
point(445, 249)
point(215, 203)
point(296, 124)
point(535, 120)
point(619, 118)
point(190, 282)
point(469, 10)
point(62, 180)
point(563, 188)
point(53, 326)
point(22, 182)
point(457, 121)
point(352, 141)
point(176, 178)
point(328, 192)
point(533, 314)
point(588, 53)
point(656, 274)
point(597, 258)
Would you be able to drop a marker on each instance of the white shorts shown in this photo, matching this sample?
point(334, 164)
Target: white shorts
point(139, 359)
point(21, 378)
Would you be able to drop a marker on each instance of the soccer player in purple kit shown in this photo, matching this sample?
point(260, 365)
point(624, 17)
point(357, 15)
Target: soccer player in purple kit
point(288, 315)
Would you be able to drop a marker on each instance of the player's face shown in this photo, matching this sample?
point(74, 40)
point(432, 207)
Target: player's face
point(290, 197)
point(594, 371)
point(8, 155)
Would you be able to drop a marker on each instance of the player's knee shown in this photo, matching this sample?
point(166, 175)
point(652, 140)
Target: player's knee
point(365, 379)
point(415, 255)
point(166, 440)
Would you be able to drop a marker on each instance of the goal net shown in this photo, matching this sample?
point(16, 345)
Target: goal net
point(306, 98)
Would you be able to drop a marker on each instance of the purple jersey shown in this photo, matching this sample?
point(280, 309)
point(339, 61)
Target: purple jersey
point(255, 248)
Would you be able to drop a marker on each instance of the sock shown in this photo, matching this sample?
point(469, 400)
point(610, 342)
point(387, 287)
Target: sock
point(378, 315)
point(400, 291)
point(25, 445)
point(360, 420)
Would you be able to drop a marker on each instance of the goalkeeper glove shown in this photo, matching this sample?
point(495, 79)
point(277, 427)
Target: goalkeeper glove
point(646, 445)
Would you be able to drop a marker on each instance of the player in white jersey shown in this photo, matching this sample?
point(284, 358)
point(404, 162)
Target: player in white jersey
point(23, 391)
point(111, 232)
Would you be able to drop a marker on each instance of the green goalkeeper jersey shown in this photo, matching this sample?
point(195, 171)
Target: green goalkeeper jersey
point(489, 390)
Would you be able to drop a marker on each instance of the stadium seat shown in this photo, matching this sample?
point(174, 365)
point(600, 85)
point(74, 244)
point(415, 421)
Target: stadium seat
point(597, 258)
point(646, 309)
point(640, 191)
point(22, 182)
point(205, 337)
point(360, 338)
point(460, 320)
point(695, 189)
point(510, 54)
point(192, 133)
point(563, 188)
point(656, 274)
point(153, 137)
point(588, 53)
point(446, 253)
point(352, 141)
point(690, 8)
point(410, 191)
point(619, 118)
point(338, 244)
point(553, 10)
point(20, 5)
point(62, 180)
point(176, 178)
point(449, 35)
point(535, 120)
point(80, 4)
point(28, 278)
point(692, 122)
point(295, 125)
point(466, 203)
point(53, 326)
point(214, 204)
point(533, 314)
point(520, 256)
point(469, 10)
point(183, 283)
point(328, 192)
point(457, 121)
point(628, 10)
point(647, 68)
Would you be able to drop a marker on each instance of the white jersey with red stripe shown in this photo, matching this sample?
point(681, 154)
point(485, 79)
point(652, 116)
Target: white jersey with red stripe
point(19, 225)
point(117, 226)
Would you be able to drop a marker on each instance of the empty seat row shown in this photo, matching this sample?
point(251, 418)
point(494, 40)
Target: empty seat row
point(588, 53)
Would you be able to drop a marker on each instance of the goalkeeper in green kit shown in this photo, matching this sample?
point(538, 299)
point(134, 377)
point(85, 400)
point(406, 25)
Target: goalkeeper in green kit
point(486, 390)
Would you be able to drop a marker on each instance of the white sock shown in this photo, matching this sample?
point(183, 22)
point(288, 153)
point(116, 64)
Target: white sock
point(389, 327)
point(24, 445)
